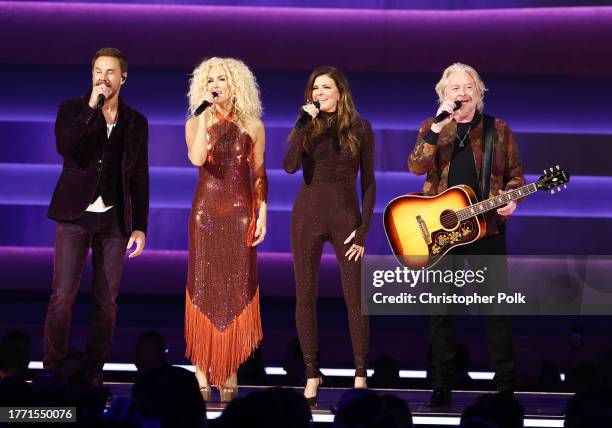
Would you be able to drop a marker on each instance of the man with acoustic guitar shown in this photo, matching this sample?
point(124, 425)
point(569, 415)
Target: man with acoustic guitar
point(463, 146)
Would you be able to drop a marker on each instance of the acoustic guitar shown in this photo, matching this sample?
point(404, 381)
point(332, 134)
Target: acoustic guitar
point(422, 229)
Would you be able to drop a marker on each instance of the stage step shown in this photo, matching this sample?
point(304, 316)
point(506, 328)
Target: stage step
point(167, 147)
point(26, 189)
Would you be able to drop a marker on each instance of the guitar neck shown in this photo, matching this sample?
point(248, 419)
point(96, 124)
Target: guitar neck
point(496, 201)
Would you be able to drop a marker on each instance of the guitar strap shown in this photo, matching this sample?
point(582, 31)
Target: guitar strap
point(487, 155)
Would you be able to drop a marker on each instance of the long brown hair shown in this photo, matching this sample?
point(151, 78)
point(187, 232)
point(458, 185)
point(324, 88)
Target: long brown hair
point(346, 116)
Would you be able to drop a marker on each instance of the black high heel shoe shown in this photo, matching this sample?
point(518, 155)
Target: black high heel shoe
point(312, 401)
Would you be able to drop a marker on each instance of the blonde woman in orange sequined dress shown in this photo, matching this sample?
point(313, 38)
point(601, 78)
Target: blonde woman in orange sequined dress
point(227, 222)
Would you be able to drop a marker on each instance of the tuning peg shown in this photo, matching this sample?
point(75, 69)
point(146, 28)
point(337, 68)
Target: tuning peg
point(564, 186)
point(552, 192)
point(545, 172)
point(551, 170)
point(558, 168)
point(558, 189)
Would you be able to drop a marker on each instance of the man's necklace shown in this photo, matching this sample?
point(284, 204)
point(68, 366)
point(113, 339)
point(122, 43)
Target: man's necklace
point(462, 140)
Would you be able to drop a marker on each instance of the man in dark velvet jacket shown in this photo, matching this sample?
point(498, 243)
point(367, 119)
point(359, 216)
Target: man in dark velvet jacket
point(101, 202)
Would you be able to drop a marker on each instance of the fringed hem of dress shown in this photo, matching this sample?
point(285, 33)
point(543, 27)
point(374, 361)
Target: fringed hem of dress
point(220, 353)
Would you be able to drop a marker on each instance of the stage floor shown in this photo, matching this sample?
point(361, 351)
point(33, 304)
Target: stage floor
point(542, 409)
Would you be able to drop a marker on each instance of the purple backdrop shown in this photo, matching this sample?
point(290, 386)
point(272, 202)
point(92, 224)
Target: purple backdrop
point(548, 71)
point(560, 41)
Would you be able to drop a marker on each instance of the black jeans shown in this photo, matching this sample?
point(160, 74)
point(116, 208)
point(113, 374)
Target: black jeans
point(498, 327)
point(103, 233)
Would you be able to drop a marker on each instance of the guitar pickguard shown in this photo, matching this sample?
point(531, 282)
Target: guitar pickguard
point(442, 240)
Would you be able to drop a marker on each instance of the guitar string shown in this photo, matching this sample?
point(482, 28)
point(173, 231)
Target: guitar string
point(455, 214)
point(530, 187)
point(452, 216)
point(449, 216)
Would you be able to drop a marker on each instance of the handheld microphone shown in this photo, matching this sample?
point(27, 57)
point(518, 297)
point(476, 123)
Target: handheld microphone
point(445, 114)
point(305, 116)
point(205, 104)
point(100, 102)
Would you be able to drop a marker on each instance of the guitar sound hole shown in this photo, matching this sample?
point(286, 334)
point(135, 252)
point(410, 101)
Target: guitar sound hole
point(448, 219)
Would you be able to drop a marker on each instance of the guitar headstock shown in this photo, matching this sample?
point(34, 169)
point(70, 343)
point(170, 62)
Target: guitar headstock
point(555, 177)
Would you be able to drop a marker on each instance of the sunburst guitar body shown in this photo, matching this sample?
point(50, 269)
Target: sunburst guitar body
point(422, 229)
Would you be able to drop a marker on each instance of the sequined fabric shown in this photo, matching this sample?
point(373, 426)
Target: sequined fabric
point(327, 209)
point(222, 282)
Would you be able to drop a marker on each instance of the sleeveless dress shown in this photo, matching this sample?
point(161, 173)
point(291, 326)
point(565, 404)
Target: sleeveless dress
point(222, 319)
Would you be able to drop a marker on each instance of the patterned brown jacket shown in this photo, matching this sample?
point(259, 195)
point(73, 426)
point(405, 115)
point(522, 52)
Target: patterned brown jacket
point(506, 167)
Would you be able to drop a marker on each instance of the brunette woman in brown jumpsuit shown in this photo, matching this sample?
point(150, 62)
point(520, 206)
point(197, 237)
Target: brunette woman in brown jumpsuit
point(331, 143)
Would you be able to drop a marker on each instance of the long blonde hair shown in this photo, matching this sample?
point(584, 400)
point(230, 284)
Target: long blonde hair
point(246, 101)
point(470, 71)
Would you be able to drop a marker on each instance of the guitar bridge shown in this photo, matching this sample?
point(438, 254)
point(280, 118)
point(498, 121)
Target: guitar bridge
point(423, 229)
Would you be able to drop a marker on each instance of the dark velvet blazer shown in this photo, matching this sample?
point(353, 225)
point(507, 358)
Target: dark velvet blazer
point(80, 134)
